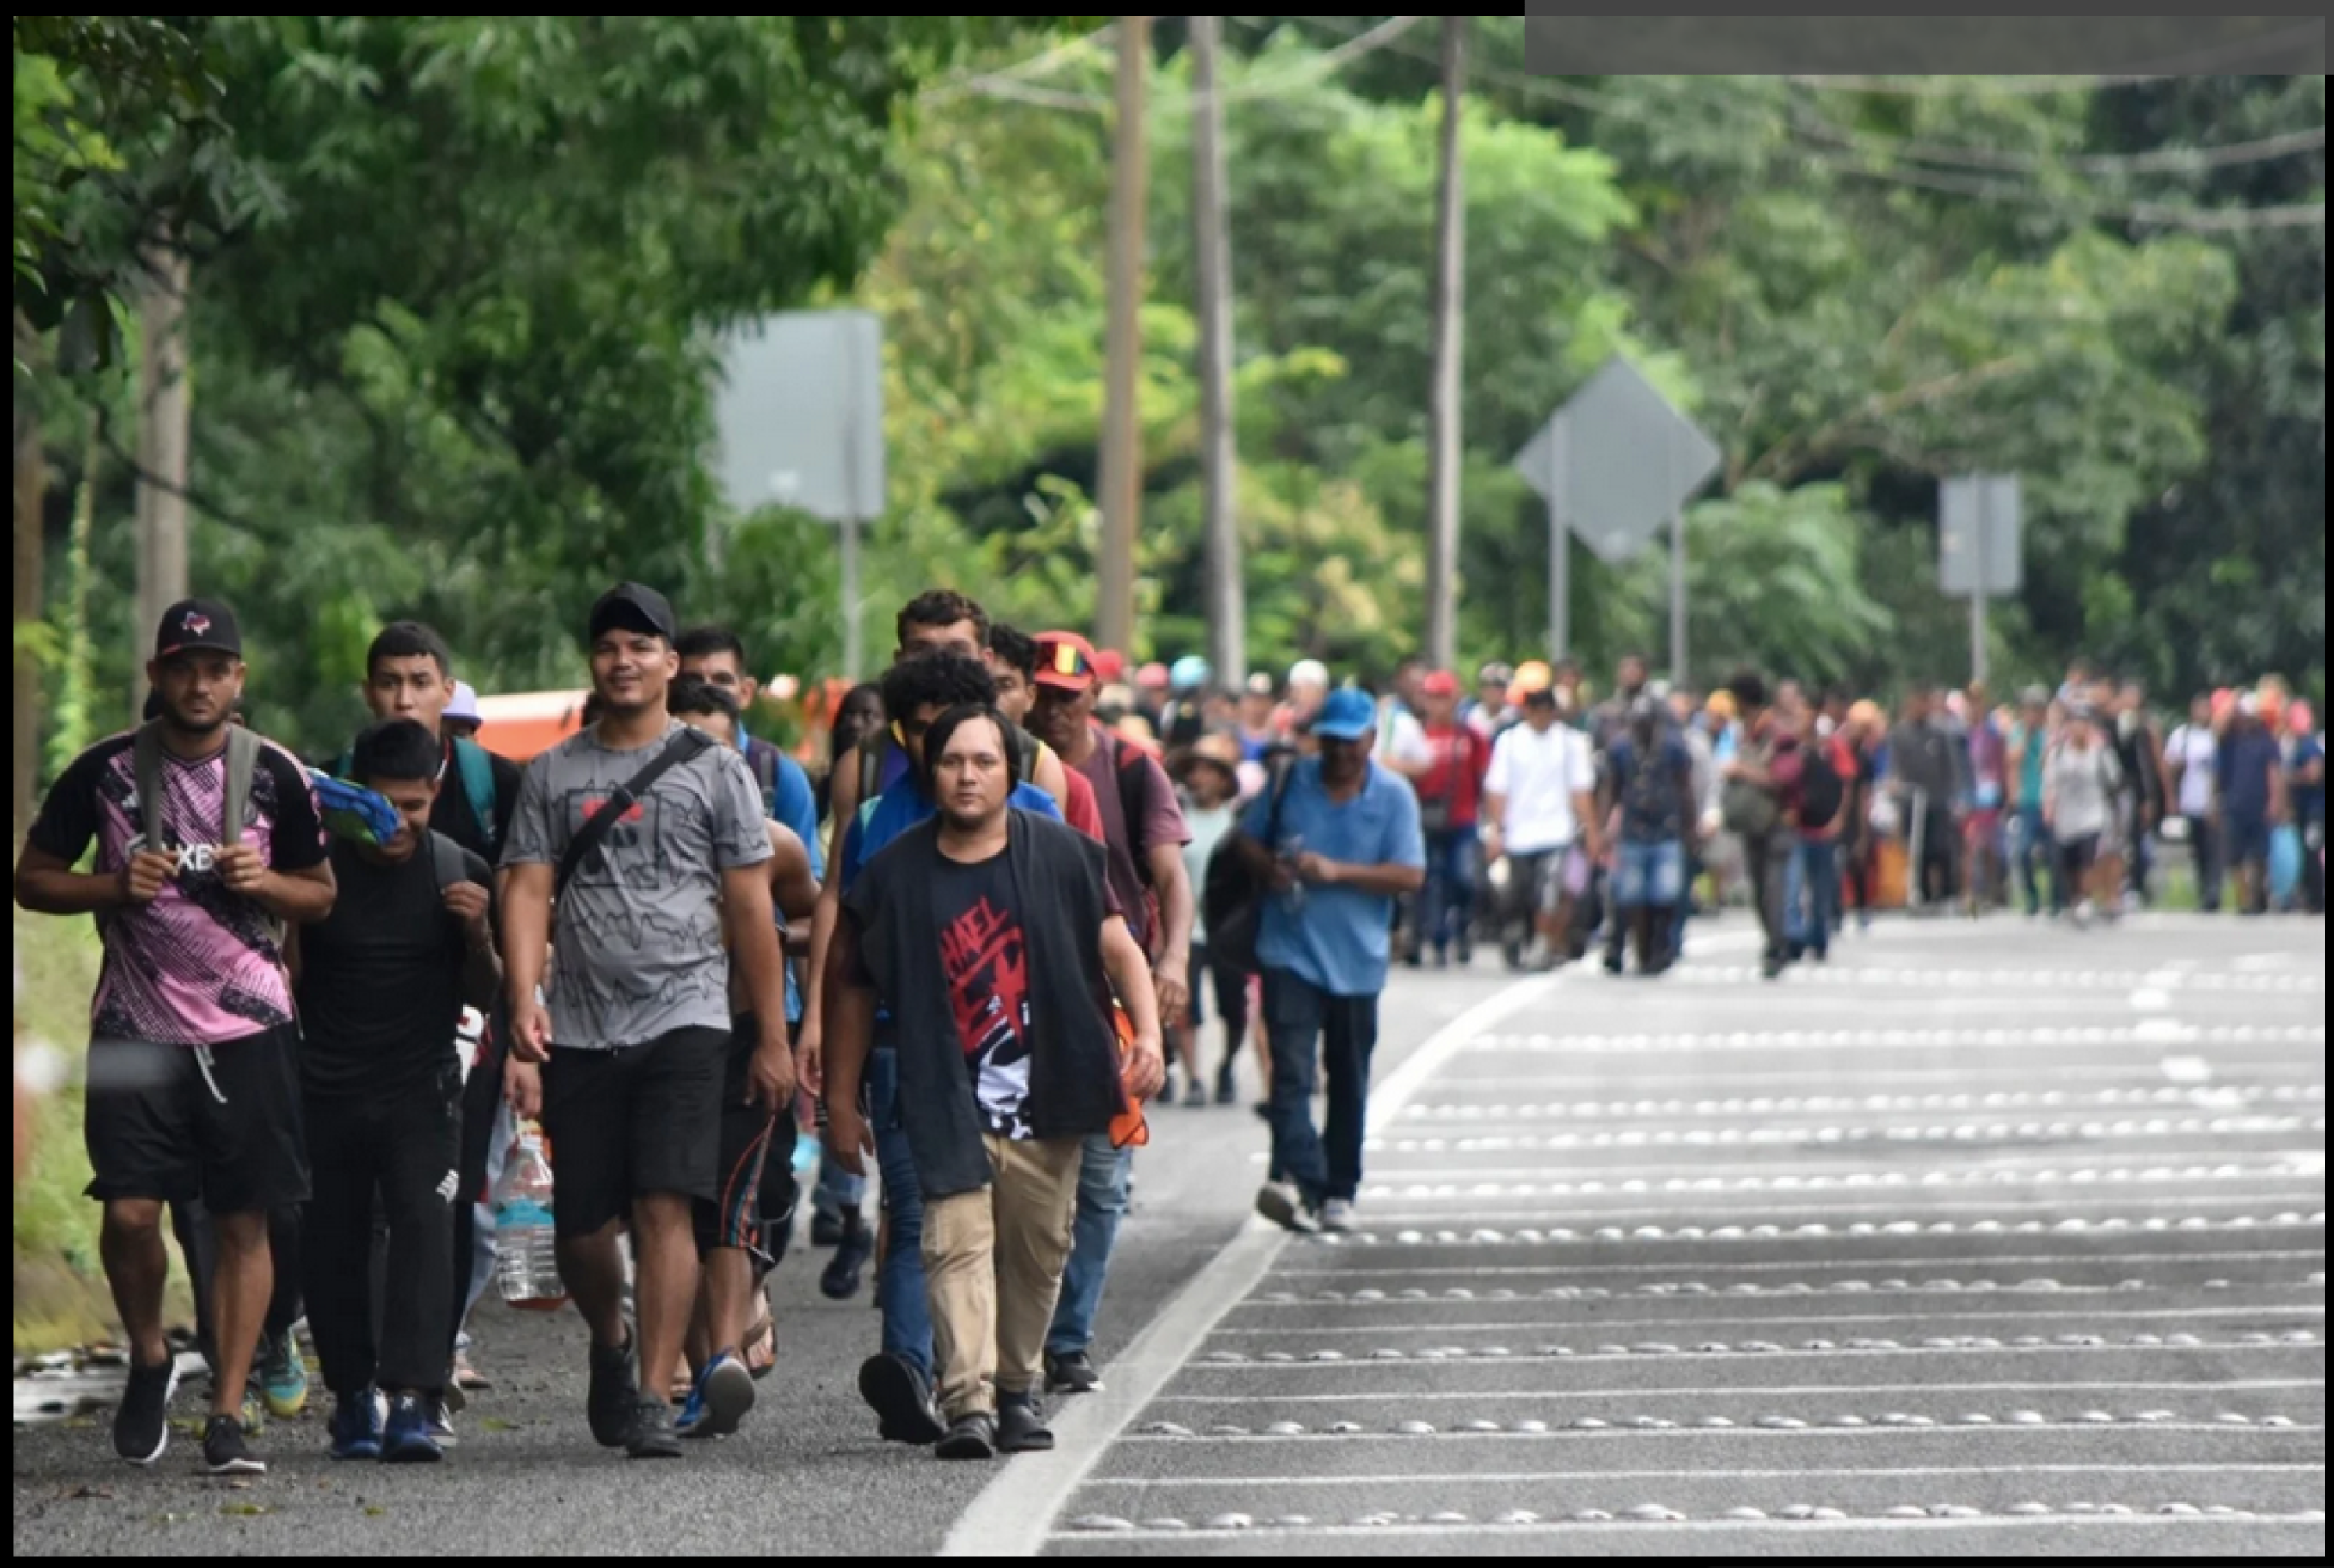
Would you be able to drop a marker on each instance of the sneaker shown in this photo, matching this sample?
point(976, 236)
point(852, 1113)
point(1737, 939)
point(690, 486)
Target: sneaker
point(1466, 954)
point(902, 1398)
point(226, 1450)
point(440, 1412)
point(1195, 1095)
point(1337, 1215)
point(407, 1439)
point(1281, 1202)
point(971, 1435)
point(839, 1280)
point(356, 1425)
point(253, 1413)
point(718, 1399)
point(282, 1376)
point(651, 1436)
point(1072, 1372)
point(1021, 1425)
point(1227, 1089)
point(825, 1230)
point(615, 1390)
point(142, 1424)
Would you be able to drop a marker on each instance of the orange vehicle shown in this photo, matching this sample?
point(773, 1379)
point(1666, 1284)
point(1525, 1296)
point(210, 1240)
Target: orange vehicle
point(523, 723)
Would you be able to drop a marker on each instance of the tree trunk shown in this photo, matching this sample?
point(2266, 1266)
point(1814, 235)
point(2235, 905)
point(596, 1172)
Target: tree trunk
point(1449, 314)
point(1219, 454)
point(32, 489)
point(162, 426)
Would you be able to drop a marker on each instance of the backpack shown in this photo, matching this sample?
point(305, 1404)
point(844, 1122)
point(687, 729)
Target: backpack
point(1133, 799)
point(1231, 895)
point(476, 768)
point(873, 758)
point(242, 758)
point(764, 761)
point(1822, 792)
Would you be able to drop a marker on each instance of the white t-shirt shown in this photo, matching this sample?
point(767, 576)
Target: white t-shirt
point(1537, 774)
point(1401, 739)
point(2193, 749)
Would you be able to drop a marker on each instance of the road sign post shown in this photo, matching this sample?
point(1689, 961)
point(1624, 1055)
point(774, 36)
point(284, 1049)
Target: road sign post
point(1589, 462)
point(800, 416)
point(1980, 548)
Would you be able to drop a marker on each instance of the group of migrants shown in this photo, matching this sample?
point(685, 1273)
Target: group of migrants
point(962, 953)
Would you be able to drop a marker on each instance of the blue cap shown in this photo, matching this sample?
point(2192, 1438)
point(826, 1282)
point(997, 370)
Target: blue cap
point(1347, 715)
point(1190, 674)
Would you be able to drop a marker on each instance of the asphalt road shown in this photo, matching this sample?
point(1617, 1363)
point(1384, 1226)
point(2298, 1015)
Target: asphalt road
point(1989, 1238)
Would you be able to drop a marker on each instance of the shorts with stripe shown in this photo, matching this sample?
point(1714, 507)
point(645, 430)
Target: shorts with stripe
point(732, 1217)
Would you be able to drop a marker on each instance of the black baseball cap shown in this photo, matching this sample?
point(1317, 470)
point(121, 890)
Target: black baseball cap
point(633, 607)
point(193, 624)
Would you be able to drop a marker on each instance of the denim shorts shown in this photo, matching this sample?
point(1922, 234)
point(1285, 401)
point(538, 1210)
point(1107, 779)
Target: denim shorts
point(1649, 874)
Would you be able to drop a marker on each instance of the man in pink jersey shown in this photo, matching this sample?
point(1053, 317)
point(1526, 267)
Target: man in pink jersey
point(194, 1084)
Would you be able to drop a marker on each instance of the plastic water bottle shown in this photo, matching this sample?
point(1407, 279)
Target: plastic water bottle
point(807, 1149)
point(526, 1266)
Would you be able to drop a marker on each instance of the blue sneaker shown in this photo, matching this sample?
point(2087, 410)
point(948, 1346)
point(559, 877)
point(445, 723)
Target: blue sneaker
point(282, 1375)
point(356, 1428)
point(408, 1440)
point(718, 1400)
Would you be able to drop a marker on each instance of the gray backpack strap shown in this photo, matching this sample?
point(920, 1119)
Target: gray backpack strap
point(242, 757)
point(146, 757)
point(446, 862)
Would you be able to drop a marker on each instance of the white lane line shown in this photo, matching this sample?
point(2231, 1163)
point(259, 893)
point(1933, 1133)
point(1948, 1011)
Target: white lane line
point(1964, 1041)
point(1709, 1390)
point(1843, 1321)
point(2138, 1072)
point(1524, 1477)
point(2062, 1430)
point(1250, 1367)
point(2143, 1515)
point(1995, 1260)
point(1509, 1219)
point(1013, 1514)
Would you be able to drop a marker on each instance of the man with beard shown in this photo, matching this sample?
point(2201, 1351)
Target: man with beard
point(209, 842)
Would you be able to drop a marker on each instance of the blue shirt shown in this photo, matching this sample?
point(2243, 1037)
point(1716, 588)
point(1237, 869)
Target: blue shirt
point(789, 802)
point(2246, 760)
point(1336, 938)
point(901, 807)
point(2308, 800)
point(1656, 802)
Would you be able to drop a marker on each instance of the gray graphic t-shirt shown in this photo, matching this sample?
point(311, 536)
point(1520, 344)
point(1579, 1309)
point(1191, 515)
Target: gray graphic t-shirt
point(636, 944)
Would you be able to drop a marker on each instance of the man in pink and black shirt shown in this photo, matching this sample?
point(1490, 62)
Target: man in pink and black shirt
point(194, 1084)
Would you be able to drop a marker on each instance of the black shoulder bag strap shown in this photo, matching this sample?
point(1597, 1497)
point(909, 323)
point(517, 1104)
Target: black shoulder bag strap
point(686, 746)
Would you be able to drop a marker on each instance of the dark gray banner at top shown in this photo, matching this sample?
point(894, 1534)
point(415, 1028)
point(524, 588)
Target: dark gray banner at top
point(2125, 46)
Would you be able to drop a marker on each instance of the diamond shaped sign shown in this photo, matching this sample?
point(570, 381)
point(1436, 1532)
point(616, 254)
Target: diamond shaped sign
point(1625, 461)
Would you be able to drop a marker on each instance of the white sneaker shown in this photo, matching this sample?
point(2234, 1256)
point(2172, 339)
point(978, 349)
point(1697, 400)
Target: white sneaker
point(1281, 1202)
point(1337, 1215)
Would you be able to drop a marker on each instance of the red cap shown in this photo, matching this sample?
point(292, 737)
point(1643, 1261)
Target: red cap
point(1154, 674)
point(1066, 661)
point(1440, 683)
point(1109, 665)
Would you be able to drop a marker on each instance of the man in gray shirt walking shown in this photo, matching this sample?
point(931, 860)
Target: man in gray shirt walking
point(626, 1063)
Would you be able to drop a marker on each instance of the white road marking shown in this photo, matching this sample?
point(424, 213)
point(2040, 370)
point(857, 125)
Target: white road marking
point(1521, 1477)
point(1705, 1390)
point(2054, 1523)
point(1844, 1322)
point(1767, 1265)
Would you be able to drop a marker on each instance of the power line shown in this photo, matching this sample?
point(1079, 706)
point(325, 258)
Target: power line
point(2161, 161)
point(2233, 54)
point(2203, 219)
point(998, 85)
point(1037, 64)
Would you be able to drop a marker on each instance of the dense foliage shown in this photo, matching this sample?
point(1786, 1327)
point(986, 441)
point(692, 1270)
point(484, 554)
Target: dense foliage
point(456, 283)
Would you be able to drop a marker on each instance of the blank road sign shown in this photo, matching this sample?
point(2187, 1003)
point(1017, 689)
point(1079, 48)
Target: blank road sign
point(800, 415)
point(1630, 460)
point(1971, 506)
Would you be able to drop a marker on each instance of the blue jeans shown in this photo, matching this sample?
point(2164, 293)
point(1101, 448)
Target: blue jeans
point(907, 1313)
point(1649, 875)
point(1811, 894)
point(837, 1190)
point(1102, 1204)
point(1305, 1025)
point(2036, 851)
point(1447, 903)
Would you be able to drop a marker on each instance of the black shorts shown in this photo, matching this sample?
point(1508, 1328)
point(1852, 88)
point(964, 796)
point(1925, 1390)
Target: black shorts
point(159, 1125)
point(733, 1217)
point(630, 1120)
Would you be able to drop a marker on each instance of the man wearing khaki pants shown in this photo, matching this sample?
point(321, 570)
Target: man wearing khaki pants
point(988, 935)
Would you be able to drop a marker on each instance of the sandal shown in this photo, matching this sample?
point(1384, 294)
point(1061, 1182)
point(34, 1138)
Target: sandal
point(760, 1349)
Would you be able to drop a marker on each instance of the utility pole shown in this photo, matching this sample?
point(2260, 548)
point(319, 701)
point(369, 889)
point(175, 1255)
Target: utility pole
point(32, 494)
point(1218, 459)
point(1450, 311)
point(1122, 443)
point(163, 420)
